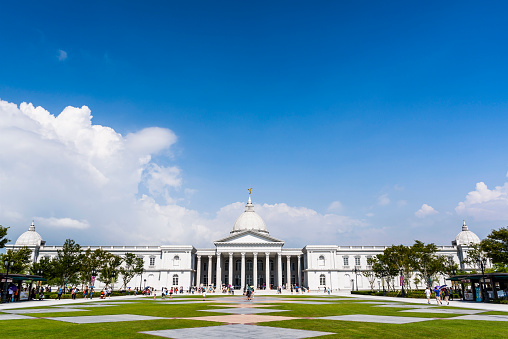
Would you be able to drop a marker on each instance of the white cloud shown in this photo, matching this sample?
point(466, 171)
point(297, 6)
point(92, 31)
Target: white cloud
point(425, 211)
point(62, 55)
point(401, 203)
point(63, 223)
point(92, 184)
point(485, 204)
point(335, 206)
point(383, 200)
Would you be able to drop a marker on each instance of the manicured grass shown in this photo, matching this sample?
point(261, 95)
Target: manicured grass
point(442, 326)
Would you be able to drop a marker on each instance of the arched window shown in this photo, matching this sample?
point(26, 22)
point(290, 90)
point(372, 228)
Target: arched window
point(238, 265)
point(175, 279)
point(176, 260)
point(249, 265)
point(260, 265)
point(322, 280)
point(321, 260)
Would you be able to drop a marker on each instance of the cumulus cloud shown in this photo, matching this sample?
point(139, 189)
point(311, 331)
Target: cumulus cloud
point(485, 204)
point(63, 223)
point(425, 211)
point(335, 206)
point(88, 182)
point(383, 200)
point(62, 55)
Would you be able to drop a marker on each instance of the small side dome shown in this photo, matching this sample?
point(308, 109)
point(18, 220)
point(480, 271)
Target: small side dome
point(29, 238)
point(466, 237)
point(249, 220)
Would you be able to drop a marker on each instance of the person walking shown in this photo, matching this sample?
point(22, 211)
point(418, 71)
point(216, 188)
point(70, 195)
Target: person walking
point(427, 294)
point(438, 295)
point(446, 295)
point(59, 293)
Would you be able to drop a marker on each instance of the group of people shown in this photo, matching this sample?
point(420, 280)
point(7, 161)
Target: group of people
point(441, 293)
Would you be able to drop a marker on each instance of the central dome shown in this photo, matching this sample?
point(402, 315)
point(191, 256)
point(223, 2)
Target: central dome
point(249, 220)
point(29, 238)
point(466, 237)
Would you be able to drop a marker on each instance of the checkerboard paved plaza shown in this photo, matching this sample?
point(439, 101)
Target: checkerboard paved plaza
point(263, 317)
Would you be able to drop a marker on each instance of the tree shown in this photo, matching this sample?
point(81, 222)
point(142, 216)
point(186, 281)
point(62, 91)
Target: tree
point(371, 278)
point(426, 262)
point(496, 246)
point(67, 263)
point(3, 236)
point(21, 258)
point(108, 264)
point(474, 256)
point(131, 267)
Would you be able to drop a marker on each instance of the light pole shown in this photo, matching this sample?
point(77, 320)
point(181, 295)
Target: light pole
point(113, 274)
point(355, 271)
point(402, 282)
point(483, 263)
point(145, 283)
point(353, 285)
point(7, 264)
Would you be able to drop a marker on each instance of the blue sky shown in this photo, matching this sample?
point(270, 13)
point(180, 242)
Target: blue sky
point(363, 110)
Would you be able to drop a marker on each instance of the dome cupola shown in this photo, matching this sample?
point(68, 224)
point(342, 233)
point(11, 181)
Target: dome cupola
point(465, 237)
point(29, 238)
point(249, 220)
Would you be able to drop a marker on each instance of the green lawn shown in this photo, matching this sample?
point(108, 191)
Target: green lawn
point(443, 326)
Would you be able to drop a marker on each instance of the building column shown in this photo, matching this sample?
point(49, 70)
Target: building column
point(279, 269)
point(198, 272)
point(299, 272)
point(288, 270)
point(267, 270)
point(219, 272)
point(255, 270)
point(243, 272)
point(231, 269)
point(210, 270)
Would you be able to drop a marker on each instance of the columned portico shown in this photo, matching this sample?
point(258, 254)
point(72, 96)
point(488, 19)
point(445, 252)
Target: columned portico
point(231, 269)
point(267, 270)
point(255, 270)
point(279, 269)
point(218, 273)
point(299, 271)
point(210, 270)
point(288, 270)
point(243, 272)
point(198, 271)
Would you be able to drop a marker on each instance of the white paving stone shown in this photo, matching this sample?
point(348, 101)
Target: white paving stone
point(485, 317)
point(238, 310)
point(376, 318)
point(406, 306)
point(94, 319)
point(236, 331)
point(444, 311)
point(43, 310)
point(14, 317)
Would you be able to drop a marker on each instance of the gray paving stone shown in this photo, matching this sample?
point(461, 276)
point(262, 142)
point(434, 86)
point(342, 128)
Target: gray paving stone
point(86, 305)
point(384, 319)
point(14, 317)
point(94, 319)
point(236, 331)
point(444, 311)
point(43, 310)
point(485, 317)
point(238, 310)
point(406, 306)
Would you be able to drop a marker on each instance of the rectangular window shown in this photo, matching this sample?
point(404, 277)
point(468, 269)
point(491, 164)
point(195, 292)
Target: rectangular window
point(346, 261)
point(357, 261)
point(152, 261)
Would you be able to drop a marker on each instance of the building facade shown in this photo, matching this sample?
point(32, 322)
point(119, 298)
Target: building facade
point(249, 255)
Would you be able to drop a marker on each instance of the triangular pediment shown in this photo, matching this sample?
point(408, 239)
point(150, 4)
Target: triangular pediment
point(249, 237)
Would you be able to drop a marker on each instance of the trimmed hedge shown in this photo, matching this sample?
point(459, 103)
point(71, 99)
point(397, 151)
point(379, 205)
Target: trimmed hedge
point(420, 294)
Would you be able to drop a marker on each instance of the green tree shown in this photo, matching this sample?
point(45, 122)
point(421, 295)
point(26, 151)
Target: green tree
point(131, 267)
point(108, 264)
point(67, 263)
point(474, 255)
point(426, 263)
point(371, 278)
point(3, 236)
point(496, 247)
point(21, 258)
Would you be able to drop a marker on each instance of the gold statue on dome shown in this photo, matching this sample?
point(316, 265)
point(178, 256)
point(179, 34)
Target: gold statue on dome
point(249, 189)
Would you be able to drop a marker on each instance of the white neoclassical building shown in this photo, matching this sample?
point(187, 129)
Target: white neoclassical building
point(249, 255)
